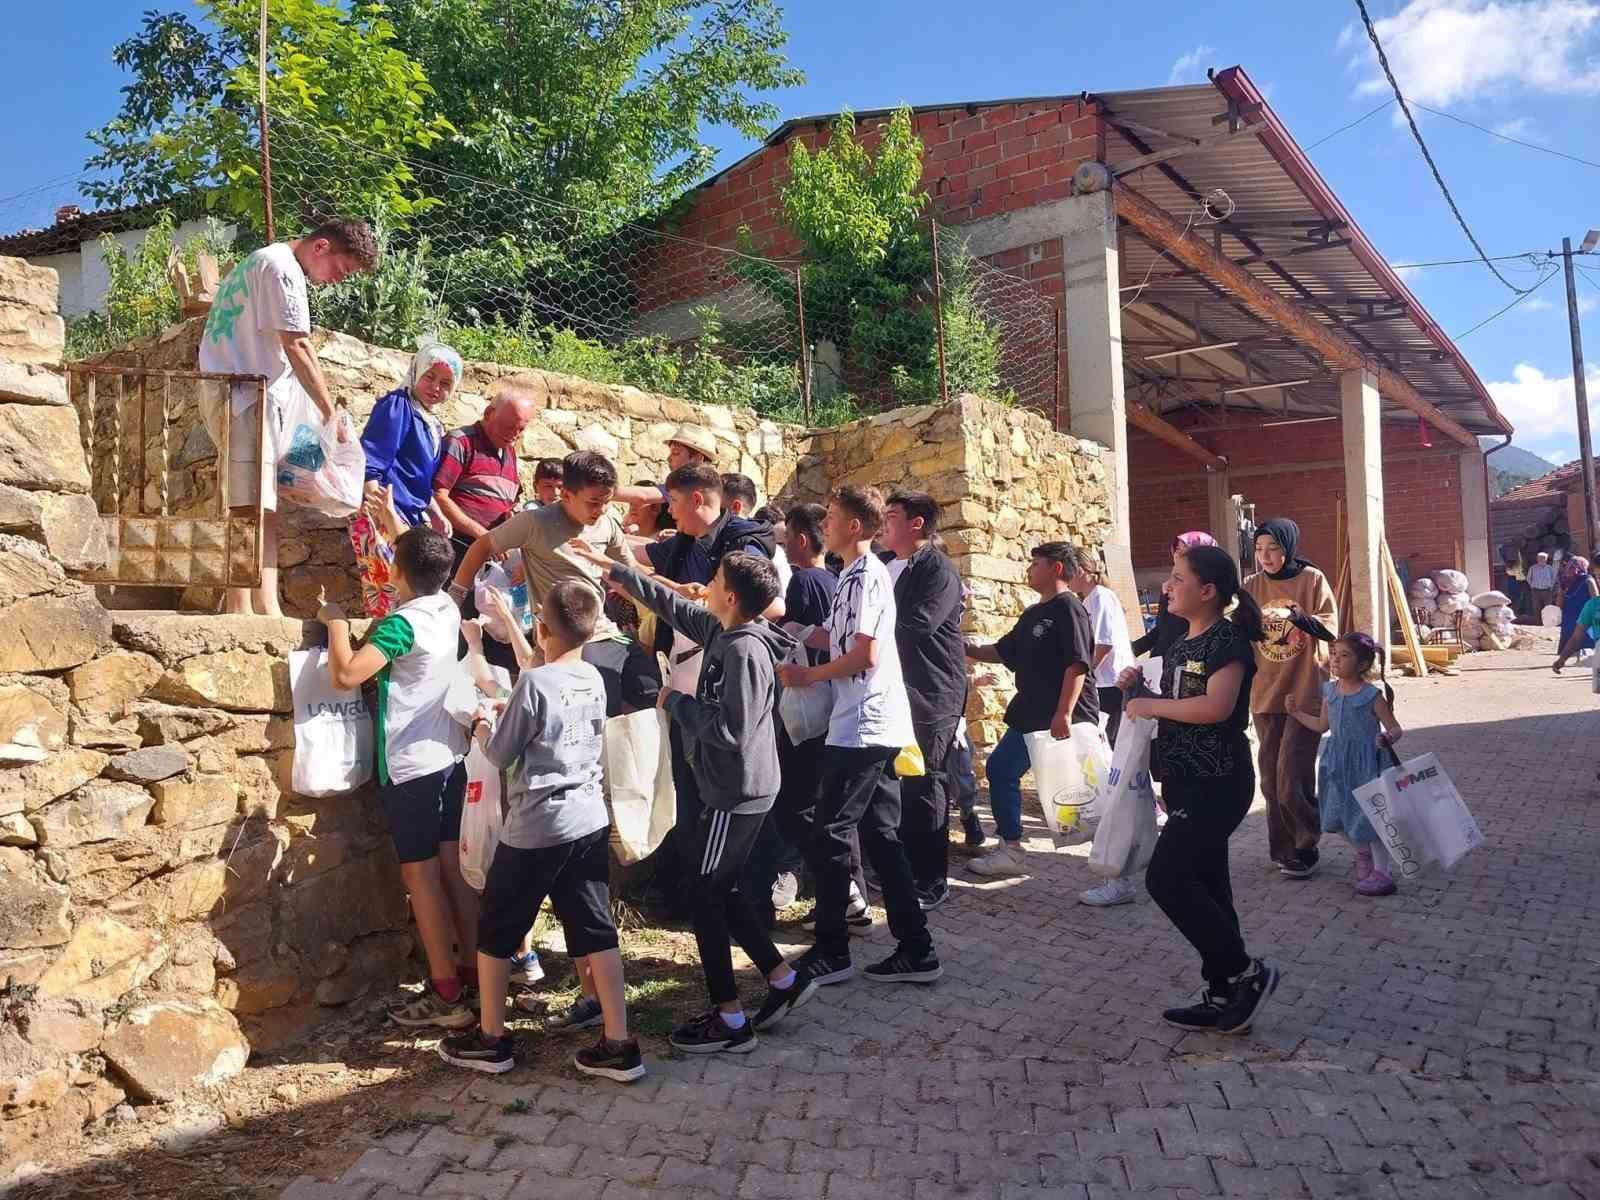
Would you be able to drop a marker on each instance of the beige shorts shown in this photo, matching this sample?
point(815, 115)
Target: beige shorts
point(251, 466)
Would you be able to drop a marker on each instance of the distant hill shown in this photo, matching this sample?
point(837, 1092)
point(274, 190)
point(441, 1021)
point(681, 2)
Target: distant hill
point(1514, 465)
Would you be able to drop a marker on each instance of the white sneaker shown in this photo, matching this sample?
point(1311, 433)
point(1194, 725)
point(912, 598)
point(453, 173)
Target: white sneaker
point(998, 863)
point(784, 889)
point(1112, 891)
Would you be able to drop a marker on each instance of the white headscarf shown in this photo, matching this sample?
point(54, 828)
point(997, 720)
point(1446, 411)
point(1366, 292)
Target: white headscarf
point(425, 359)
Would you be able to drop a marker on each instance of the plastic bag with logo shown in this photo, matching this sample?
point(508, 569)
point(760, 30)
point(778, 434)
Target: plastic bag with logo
point(1419, 815)
point(1126, 835)
point(1068, 774)
point(333, 744)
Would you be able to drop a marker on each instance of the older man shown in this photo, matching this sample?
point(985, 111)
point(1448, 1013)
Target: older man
point(1542, 583)
point(476, 483)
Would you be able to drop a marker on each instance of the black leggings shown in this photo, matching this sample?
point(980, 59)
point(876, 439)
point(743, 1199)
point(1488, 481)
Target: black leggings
point(1188, 874)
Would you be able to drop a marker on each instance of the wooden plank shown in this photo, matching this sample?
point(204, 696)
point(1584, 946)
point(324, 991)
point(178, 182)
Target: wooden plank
point(1397, 597)
point(1147, 420)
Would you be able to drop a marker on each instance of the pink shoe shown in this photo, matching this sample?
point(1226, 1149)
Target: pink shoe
point(1378, 883)
point(1363, 864)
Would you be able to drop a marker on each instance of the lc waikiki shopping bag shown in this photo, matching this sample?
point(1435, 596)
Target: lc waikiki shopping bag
point(1419, 815)
point(637, 758)
point(1126, 834)
point(480, 817)
point(1068, 773)
point(333, 743)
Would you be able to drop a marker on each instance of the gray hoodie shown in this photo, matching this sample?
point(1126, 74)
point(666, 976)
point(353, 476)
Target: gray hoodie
point(729, 725)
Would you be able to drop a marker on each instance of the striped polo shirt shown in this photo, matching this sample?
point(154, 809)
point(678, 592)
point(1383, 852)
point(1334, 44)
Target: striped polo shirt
point(480, 476)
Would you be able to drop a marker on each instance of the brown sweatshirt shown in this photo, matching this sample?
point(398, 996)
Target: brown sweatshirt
point(1299, 665)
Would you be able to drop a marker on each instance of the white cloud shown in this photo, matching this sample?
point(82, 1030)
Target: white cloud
point(1408, 275)
point(1517, 127)
point(1541, 408)
point(1188, 66)
point(1535, 304)
point(1448, 50)
point(1587, 304)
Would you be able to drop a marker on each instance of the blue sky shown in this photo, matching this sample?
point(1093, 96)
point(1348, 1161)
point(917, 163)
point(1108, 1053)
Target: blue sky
point(1530, 68)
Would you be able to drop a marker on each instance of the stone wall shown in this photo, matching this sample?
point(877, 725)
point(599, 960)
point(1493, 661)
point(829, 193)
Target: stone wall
point(1005, 481)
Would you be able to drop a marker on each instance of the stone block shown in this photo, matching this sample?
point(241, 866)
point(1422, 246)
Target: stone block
point(39, 448)
point(167, 724)
point(29, 286)
point(53, 633)
point(160, 1049)
point(360, 897)
point(149, 764)
point(237, 680)
point(193, 803)
point(104, 961)
point(105, 686)
point(100, 872)
point(69, 525)
point(171, 638)
point(28, 335)
point(261, 985)
point(103, 733)
point(97, 812)
point(25, 569)
point(16, 831)
point(31, 383)
point(60, 1027)
point(35, 910)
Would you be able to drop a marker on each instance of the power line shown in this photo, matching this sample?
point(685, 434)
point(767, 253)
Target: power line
point(1344, 128)
point(1530, 255)
point(1383, 61)
point(1506, 137)
point(1502, 312)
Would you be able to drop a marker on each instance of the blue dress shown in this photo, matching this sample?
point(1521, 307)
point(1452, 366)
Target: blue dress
point(1349, 758)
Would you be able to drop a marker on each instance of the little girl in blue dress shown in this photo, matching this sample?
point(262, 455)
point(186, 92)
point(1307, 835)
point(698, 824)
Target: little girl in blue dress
point(1353, 709)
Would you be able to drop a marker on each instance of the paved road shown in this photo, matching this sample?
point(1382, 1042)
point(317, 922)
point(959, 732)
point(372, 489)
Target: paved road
point(1442, 1042)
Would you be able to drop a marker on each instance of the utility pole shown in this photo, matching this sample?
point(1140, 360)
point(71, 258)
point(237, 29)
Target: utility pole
point(1591, 514)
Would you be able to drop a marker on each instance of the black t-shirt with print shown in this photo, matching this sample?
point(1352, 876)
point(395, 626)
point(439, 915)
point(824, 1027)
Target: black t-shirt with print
point(1205, 751)
point(1048, 638)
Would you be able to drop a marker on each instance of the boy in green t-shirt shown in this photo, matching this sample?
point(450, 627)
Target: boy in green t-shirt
point(421, 779)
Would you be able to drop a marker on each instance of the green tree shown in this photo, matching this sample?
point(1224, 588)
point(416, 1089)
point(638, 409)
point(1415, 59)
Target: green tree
point(347, 104)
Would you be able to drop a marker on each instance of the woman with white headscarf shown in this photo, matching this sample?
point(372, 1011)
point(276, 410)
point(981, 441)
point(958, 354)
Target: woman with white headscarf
point(401, 441)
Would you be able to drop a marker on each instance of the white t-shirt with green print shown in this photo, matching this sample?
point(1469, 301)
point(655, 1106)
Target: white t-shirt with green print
point(416, 736)
point(264, 296)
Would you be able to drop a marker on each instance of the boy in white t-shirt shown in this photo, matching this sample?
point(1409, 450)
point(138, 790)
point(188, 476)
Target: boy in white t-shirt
point(869, 726)
point(421, 780)
point(260, 324)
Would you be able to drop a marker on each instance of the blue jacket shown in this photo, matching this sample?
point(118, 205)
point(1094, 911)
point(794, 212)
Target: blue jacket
point(401, 452)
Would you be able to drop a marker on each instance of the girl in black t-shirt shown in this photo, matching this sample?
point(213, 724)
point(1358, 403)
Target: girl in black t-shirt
point(1207, 782)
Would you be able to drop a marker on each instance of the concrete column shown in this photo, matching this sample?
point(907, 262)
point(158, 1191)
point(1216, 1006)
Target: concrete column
point(1475, 548)
point(1363, 488)
point(1222, 515)
point(1093, 329)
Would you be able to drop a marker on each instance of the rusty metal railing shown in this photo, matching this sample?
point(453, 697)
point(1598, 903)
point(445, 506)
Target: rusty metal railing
point(207, 544)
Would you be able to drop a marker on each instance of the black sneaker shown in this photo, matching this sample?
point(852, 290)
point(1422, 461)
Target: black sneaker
point(1302, 864)
point(478, 1052)
point(933, 895)
point(709, 1034)
point(903, 967)
point(1200, 1018)
point(611, 1060)
point(973, 829)
point(857, 918)
point(583, 1013)
point(819, 967)
point(1251, 992)
point(780, 1002)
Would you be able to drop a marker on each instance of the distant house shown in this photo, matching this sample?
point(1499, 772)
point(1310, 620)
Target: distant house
point(71, 247)
point(1543, 514)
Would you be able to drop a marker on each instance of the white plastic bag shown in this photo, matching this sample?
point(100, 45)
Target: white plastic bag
point(1068, 774)
point(1419, 815)
point(320, 466)
point(509, 577)
point(1126, 835)
point(1550, 616)
point(333, 743)
point(637, 758)
point(805, 711)
point(480, 817)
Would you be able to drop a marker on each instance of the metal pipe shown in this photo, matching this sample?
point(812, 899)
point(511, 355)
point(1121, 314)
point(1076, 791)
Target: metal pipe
point(1056, 360)
point(938, 315)
point(1189, 350)
point(1580, 389)
point(261, 121)
point(1488, 508)
point(1263, 387)
point(805, 351)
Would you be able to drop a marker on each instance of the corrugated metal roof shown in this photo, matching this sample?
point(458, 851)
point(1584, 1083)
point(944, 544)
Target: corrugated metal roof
point(1289, 231)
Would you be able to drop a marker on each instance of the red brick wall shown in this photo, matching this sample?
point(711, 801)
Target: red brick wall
point(1422, 498)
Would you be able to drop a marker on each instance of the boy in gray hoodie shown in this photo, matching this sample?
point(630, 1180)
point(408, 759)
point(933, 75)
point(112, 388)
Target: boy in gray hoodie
point(730, 735)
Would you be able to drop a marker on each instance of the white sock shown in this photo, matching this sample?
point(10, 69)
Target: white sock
point(786, 982)
point(735, 1019)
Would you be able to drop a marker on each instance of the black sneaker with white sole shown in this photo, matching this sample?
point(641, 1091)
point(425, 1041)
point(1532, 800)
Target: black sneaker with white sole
point(780, 1002)
point(476, 1051)
point(1251, 992)
point(1201, 1017)
point(611, 1060)
point(583, 1013)
point(904, 967)
point(932, 895)
point(1301, 864)
point(817, 966)
point(857, 919)
point(709, 1034)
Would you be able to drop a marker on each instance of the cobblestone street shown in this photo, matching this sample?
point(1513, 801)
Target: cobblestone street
point(1441, 1042)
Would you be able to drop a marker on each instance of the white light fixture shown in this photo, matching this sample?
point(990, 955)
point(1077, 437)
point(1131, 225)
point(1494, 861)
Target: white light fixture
point(1189, 350)
point(1590, 241)
point(1263, 387)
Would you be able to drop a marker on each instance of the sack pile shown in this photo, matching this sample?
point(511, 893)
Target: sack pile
point(1445, 601)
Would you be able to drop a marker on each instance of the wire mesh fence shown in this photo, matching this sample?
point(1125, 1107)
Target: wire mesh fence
point(511, 277)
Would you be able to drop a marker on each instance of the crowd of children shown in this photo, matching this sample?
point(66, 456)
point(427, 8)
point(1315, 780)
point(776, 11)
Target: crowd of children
point(855, 607)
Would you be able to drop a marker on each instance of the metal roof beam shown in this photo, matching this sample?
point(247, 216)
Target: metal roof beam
point(1334, 345)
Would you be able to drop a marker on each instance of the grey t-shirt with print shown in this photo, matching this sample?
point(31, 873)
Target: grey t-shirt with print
point(548, 741)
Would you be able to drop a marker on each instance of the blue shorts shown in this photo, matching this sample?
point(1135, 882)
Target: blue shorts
point(425, 811)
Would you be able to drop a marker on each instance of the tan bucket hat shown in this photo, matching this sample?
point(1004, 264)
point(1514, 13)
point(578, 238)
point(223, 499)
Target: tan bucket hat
point(692, 437)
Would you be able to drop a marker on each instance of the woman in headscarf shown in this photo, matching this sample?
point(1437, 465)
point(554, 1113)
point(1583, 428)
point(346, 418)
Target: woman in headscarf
point(1298, 612)
point(1577, 589)
point(401, 441)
